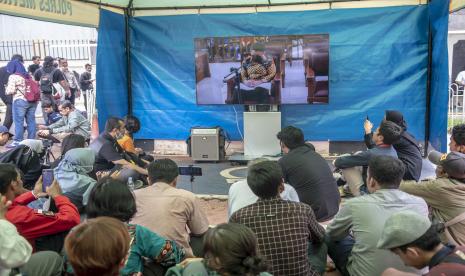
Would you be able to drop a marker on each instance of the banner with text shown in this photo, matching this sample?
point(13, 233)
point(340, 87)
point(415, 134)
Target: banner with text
point(59, 11)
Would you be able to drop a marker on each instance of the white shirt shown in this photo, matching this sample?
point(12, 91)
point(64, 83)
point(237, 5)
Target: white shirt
point(461, 77)
point(15, 250)
point(240, 196)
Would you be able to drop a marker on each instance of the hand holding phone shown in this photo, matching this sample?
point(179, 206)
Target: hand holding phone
point(47, 179)
point(368, 126)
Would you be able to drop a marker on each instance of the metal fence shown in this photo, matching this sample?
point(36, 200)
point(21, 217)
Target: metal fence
point(456, 104)
point(76, 49)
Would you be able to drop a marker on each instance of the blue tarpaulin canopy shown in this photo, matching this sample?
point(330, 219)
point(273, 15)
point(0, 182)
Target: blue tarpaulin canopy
point(381, 57)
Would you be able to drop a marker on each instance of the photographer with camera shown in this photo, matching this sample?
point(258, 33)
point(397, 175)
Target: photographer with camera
point(72, 121)
point(27, 158)
point(169, 211)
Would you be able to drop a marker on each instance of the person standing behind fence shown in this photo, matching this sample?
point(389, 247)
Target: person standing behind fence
point(47, 76)
point(34, 66)
point(86, 82)
point(18, 85)
point(72, 80)
point(7, 99)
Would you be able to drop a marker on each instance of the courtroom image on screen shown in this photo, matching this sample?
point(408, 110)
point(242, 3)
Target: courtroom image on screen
point(281, 69)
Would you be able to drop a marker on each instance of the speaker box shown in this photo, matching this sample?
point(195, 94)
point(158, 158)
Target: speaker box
point(207, 144)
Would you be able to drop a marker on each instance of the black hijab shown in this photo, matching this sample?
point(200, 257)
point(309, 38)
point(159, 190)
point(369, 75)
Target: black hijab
point(397, 118)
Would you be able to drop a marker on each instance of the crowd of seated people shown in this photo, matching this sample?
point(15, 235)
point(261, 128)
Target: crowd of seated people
point(94, 224)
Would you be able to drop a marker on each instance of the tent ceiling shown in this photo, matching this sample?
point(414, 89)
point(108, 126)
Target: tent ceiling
point(170, 4)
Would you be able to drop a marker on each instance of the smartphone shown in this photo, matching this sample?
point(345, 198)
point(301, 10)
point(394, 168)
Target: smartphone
point(47, 179)
point(190, 170)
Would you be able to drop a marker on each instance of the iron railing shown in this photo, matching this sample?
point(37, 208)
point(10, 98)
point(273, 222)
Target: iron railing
point(76, 49)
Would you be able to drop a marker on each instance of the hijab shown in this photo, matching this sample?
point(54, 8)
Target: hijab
point(72, 172)
point(16, 67)
point(397, 118)
point(35, 145)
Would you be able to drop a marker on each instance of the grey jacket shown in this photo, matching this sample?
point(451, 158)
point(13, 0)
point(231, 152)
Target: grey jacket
point(73, 123)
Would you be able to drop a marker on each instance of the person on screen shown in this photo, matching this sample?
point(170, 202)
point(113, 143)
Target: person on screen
point(256, 68)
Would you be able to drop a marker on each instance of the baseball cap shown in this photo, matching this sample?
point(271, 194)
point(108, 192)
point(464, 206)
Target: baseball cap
point(403, 228)
point(4, 129)
point(453, 163)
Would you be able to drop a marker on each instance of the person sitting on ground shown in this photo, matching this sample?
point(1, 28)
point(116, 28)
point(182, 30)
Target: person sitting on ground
point(98, 247)
point(354, 232)
point(169, 211)
point(16, 250)
point(5, 135)
point(445, 195)
point(110, 156)
point(354, 166)
point(112, 198)
point(416, 241)
point(132, 125)
point(70, 142)
point(406, 147)
point(229, 249)
point(27, 158)
point(457, 138)
point(34, 224)
point(309, 173)
point(72, 122)
point(284, 229)
point(52, 115)
point(240, 194)
point(72, 174)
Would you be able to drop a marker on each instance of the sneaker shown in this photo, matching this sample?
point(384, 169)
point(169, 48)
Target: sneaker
point(12, 145)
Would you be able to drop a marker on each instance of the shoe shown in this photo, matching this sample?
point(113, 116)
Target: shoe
point(344, 191)
point(12, 145)
point(340, 182)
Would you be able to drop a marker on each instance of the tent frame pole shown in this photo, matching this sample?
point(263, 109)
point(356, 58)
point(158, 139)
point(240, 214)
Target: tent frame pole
point(127, 15)
point(428, 88)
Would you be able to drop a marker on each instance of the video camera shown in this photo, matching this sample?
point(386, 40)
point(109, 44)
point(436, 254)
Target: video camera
point(46, 143)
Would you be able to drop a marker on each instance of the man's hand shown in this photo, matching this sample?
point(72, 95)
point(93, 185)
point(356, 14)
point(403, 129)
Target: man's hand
point(4, 204)
point(54, 190)
point(44, 132)
point(138, 151)
point(38, 189)
point(368, 126)
point(42, 126)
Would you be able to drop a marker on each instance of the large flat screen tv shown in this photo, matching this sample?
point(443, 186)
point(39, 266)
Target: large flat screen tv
point(280, 69)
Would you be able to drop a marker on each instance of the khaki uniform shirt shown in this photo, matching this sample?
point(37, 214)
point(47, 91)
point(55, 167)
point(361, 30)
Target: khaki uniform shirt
point(170, 212)
point(446, 197)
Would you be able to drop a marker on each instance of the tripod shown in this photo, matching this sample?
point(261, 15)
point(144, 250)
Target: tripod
point(48, 153)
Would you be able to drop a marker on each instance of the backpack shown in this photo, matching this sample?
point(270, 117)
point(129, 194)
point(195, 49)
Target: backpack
point(46, 81)
point(32, 91)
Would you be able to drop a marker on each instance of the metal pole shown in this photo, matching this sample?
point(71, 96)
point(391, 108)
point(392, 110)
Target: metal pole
point(428, 89)
point(127, 14)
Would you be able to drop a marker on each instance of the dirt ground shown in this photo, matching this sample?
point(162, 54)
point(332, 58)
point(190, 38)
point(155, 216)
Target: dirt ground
point(216, 210)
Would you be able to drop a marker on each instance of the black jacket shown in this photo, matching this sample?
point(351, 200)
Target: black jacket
point(408, 151)
point(310, 175)
point(27, 161)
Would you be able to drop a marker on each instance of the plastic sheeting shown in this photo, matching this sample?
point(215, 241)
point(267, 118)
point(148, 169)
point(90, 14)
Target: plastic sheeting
point(378, 61)
point(112, 95)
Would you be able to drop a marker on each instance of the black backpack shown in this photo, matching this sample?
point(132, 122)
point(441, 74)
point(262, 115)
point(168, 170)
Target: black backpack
point(46, 81)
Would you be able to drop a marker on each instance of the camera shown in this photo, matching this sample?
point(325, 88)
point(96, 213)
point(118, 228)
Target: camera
point(47, 143)
point(190, 170)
